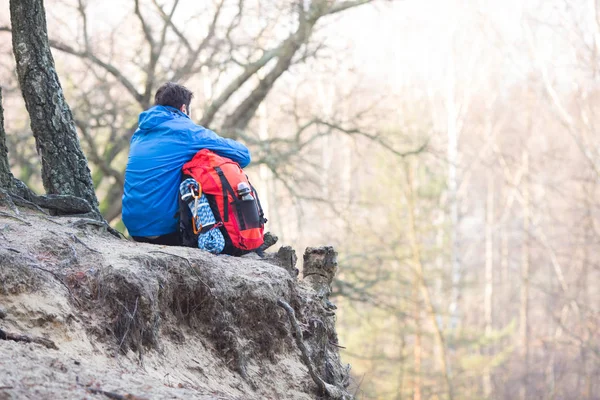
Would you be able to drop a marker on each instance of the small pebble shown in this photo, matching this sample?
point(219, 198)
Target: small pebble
point(2, 313)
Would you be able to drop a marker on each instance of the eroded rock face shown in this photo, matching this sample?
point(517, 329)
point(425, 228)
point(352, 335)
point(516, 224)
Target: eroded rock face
point(186, 322)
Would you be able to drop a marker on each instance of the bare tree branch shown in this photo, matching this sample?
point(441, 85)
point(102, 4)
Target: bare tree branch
point(82, 12)
point(242, 115)
point(113, 70)
point(145, 27)
point(376, 138)
point(168, 19)
point(331, 391)
point(234, 86)
point(240, 118)
point(344, 5)
point(94, 155)
point(187, 68)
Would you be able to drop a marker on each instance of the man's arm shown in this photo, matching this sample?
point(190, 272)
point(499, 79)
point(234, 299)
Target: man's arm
point(207, 139)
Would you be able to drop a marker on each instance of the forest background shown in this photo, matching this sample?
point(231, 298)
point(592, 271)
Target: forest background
point(446, 148)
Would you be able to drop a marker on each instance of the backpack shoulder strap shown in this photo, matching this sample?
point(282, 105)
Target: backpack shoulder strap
point(226, 187)
point(260, 209)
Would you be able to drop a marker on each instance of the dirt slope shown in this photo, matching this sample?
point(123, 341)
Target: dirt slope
point(111, 317)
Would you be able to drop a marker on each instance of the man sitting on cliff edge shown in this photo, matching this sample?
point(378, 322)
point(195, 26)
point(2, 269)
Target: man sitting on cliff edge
point(166, 139)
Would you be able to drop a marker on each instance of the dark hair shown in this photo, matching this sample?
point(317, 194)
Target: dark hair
point(174, 95)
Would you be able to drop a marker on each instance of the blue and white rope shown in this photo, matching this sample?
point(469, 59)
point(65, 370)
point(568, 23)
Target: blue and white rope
point(211, 241)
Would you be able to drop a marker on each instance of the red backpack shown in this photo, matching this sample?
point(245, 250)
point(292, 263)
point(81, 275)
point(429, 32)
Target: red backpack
point(222, 180)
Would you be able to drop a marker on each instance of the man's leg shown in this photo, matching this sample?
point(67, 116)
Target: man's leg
point(171, 239)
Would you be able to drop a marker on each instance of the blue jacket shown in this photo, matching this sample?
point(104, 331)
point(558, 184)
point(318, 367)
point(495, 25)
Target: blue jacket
point(165, 139)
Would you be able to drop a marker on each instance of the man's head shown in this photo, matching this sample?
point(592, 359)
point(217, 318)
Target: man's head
point(174, 95)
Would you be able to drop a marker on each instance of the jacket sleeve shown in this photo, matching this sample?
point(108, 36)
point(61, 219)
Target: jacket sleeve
point(207, 139)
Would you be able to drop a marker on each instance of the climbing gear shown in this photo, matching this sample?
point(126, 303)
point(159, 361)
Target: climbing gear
point(204, 225)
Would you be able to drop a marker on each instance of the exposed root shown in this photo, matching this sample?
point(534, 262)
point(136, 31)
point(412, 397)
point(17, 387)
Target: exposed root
point(83, 222)
point(19, 193)
point(76, 239)
point(172, 255)
point(59, 280)
point(330, 390)
point(189, 265)
point(113, 395)
point(27, 339)
point(18, 200)
point(63, 204)
point(99, 223)
point(21, 220)
point(6, 198)
point(128, 321)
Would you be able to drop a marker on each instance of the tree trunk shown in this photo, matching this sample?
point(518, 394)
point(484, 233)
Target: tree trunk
point(525, 267)
point(16, 192)
point(263, 170)
point(64, 166)
point(402, 365)
point(489, 280)
point(488, 297)
point(420, 279)
point(452, 180)
point(418, 349)
point(6, 177)
point(584, 377)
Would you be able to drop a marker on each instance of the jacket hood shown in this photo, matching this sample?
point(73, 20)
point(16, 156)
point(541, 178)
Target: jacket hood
point(156, 115)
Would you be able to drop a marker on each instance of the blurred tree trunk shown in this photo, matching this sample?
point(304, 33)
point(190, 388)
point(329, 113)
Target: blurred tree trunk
point(401, 367)
point(452, 154)
point(584, 377)
point(525, 267)
point(417, 266)
point(504, 269)
point(489, 278)
point(418, 348)
point(64, 166)
point(263, 170)
point(488, 296)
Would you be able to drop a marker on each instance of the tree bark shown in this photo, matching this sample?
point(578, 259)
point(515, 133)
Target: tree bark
point(6, 177)
point(64, 166)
